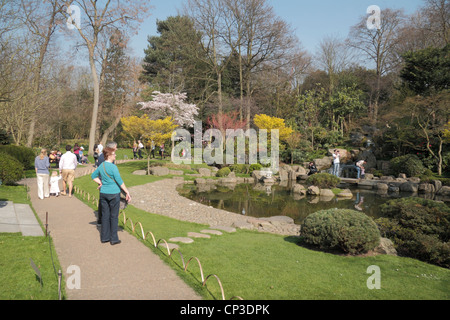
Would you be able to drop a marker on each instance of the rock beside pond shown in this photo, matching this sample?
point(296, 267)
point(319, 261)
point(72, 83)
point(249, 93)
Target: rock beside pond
point(204, 172)
point(346, 193)
point(409, 187)
point(298, 189)
point(444, 191)
point(326, 193)
point(313, 190)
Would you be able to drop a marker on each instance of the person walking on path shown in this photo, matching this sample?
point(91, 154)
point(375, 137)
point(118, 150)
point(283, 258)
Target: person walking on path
point(110, 185)
point(67, 166)
point(336, 162)
point(41, 165)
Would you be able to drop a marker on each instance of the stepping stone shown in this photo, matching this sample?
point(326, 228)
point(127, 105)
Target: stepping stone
point(224, 228)
point(198, 235)
point(216, 232)
point(181, 239)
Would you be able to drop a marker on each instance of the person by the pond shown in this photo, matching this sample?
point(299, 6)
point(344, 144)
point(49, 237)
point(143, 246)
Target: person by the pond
point(41, 165)
point(110, 185)
point(336, 162)
point(312, 169)
point(360, 168)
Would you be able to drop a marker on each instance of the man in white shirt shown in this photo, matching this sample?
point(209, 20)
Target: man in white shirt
point(336, 162)
point(67, 166)
point(100, 147)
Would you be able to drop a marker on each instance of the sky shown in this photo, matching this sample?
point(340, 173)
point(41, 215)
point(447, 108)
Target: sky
point(312, 20)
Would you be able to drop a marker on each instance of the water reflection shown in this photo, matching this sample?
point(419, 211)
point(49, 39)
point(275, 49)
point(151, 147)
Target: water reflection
point(267, 201)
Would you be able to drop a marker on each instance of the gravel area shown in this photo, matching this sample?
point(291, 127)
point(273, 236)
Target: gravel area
point(162, 198)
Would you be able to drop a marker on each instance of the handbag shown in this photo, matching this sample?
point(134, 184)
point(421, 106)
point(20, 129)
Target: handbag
point(123, 195)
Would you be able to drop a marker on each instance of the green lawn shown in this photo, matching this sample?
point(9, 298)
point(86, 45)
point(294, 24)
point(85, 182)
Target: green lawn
point(17, 278)
point(260, 266)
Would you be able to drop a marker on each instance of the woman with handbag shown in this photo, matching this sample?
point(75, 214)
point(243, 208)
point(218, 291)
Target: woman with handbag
point(110, 187)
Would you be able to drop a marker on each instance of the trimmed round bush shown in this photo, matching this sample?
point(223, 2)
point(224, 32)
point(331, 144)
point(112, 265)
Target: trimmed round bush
point(323, 180)
point(253, 167)
point(409, 164)
point(223, 172)
point(343, 229)
point(11, 170)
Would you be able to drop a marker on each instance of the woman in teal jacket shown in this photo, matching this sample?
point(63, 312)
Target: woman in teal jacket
point(110, 185)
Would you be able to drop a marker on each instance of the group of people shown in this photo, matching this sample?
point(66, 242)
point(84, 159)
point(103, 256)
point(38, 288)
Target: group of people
point(66, 172)
point(139, 146)
point(106, 175)
point(360, 170)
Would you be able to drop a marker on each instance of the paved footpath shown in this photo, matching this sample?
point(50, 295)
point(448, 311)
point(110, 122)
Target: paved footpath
point(127, 271)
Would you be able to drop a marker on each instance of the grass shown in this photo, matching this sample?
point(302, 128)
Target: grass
point(18, 279)
point(260, 266)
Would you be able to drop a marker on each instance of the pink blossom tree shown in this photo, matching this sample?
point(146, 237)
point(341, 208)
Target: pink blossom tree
point(171, 105)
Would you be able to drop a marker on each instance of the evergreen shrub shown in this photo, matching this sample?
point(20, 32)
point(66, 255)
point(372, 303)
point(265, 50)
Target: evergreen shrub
point(11, 170)
point(24, 155)
point(409, 164)
point(343, 229)
point(419, 228)
point(223, 172)
point(323, 180)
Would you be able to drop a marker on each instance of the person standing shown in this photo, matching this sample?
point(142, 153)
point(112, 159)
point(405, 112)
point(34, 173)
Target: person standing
point(41, 165)
point(67, 166)
point(101, 159)
point(135, 150)
point(360, 168)
point(110, 185)
point(336, 162)
point(140, 146)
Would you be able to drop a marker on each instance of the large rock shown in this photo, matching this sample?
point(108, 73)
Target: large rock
point(313, 190)
point(159, 171)
point(409, 187)
point(298, 189)
point(444, 191)
point(204, 172)
point(386, 247)
point(326, 193)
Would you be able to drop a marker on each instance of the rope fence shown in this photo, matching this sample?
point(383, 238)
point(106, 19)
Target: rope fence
point(155, 243)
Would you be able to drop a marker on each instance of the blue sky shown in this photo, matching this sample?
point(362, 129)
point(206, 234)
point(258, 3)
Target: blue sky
point(311, 20)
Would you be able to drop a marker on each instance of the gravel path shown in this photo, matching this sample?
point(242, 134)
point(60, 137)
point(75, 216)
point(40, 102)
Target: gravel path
point(162, 198)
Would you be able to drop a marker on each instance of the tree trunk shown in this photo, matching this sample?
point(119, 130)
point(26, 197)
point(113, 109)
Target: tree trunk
point(96, 102)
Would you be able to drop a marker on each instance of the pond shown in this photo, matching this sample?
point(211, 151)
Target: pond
point(268, 201)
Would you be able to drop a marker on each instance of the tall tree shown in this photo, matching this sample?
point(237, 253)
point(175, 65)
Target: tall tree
point(99, 16)
point(378, 45)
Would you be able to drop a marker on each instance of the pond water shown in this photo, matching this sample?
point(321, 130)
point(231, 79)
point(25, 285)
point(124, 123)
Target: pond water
point(264, 201)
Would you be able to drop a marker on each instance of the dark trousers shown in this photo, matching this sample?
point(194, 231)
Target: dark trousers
point(110, 206)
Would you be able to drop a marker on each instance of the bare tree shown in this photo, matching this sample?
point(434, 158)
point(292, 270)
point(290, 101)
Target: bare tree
point(378, 45)
point(98, 17)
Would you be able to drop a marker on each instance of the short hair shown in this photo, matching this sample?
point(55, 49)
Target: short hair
point(68, 147)
point(112, 145)
point(107, 152)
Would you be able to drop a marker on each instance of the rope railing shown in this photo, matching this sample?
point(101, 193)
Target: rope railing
point(87, 197)
point(170, 253)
